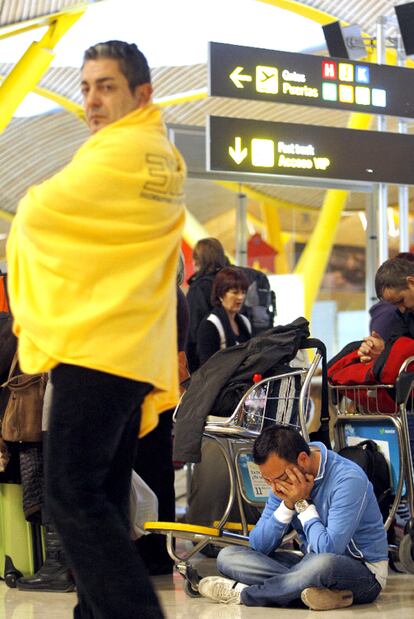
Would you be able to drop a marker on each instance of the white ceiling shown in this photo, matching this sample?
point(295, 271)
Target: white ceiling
point(32, 149)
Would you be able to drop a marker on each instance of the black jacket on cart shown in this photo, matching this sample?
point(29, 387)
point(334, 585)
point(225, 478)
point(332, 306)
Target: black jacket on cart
point(263, 353)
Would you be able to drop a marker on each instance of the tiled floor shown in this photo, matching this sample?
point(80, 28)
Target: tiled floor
point(397, 602)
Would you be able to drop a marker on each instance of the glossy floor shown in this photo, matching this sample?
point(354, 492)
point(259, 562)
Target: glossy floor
point(396, 602)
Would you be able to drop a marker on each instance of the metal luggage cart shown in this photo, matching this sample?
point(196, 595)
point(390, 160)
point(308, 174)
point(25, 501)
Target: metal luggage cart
point(385, 414)
point(283, 398)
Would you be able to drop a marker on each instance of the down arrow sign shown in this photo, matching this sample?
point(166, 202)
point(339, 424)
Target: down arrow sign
point(238, 154)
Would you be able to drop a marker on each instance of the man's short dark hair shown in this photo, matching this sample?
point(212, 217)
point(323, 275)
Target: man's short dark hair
point(283, 441)
point(393, 273)
point(132, 62)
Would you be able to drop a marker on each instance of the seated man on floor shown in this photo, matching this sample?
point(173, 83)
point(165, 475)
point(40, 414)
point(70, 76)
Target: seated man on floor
point(331, 504)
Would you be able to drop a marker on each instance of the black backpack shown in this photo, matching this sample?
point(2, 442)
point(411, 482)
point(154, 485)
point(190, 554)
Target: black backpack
point(260, 303)
point(369, 457)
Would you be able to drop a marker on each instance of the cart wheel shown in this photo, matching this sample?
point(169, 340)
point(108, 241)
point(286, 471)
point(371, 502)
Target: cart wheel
point(11, 578)
point(406, 553)
point(188, 588)
point(394, 562)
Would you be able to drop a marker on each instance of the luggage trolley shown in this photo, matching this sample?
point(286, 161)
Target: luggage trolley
point(384, 414)
point(286, 401)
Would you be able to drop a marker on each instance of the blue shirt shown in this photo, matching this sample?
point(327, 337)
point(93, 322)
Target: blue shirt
point(344, 519)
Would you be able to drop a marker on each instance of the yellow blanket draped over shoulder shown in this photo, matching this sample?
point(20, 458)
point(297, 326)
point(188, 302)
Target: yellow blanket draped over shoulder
point(92, 259)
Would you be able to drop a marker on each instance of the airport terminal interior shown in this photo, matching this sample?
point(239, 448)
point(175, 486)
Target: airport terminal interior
point(296, 120)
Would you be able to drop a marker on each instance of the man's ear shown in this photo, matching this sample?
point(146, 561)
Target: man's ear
point(302, 458)
point(143, 93)
point(410, 281)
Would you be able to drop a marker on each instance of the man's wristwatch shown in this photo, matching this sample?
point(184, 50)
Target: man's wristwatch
point(301, 505)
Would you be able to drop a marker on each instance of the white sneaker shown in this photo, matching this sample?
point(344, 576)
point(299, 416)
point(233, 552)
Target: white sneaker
point(321, 598)
point(220, 589)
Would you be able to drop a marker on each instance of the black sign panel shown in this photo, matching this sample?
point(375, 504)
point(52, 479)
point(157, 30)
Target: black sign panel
point(305, 79)
point(271, 148)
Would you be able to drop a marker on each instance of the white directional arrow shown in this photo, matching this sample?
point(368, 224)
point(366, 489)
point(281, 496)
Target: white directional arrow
point(237, 153)
point(237, 77)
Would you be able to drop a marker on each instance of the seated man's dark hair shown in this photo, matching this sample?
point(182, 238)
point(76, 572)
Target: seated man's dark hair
point(132, 62)
point(393, 273)
point(283, 441)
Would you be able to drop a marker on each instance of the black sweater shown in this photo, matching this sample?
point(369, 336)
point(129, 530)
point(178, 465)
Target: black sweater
point(208, 337)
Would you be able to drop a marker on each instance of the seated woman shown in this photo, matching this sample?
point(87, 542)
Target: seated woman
point(224, 326)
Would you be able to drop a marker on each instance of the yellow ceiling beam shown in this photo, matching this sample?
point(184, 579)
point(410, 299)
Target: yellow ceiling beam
point(77, 109)
point(5, 215)
point(182, 97)
point(255, 221)
point(32, 66)
point(64, 102)
point(320, 17)
point(193, 230)
point(286, 236)
point(18, 29)
point(41, 21)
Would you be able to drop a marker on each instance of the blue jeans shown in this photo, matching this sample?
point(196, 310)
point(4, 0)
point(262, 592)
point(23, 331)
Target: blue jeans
point(279, 579)
point(94, 423)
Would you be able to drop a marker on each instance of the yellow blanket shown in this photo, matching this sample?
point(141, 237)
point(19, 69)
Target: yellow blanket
point(92, 259)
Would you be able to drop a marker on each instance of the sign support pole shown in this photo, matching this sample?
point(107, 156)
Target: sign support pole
point(241, 230)
point(403, 199)
point(382, 187)
point(371, 256)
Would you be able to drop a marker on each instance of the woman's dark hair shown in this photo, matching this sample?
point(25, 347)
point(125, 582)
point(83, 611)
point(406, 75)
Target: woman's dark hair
point(393, 273)
point(283, 441)
point(132, 62)
point(210, 256)
point(229, 278)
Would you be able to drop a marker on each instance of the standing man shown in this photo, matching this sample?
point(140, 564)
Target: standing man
point(92, 260)
point(331, 504)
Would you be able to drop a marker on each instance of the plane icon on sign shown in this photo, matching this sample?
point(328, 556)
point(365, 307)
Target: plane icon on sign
point(267, 80)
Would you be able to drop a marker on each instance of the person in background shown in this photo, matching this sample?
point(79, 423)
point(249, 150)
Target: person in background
point(394, 285)
point(392, 317)
point(384, 315)
point(331, 504)
point(54, 575)
point(92, 259)
point(224, 326)
point(208, 258)
point(158, 472)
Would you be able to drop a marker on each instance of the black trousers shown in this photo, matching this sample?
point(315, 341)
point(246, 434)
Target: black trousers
point(158, 473)
point(94, 423)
